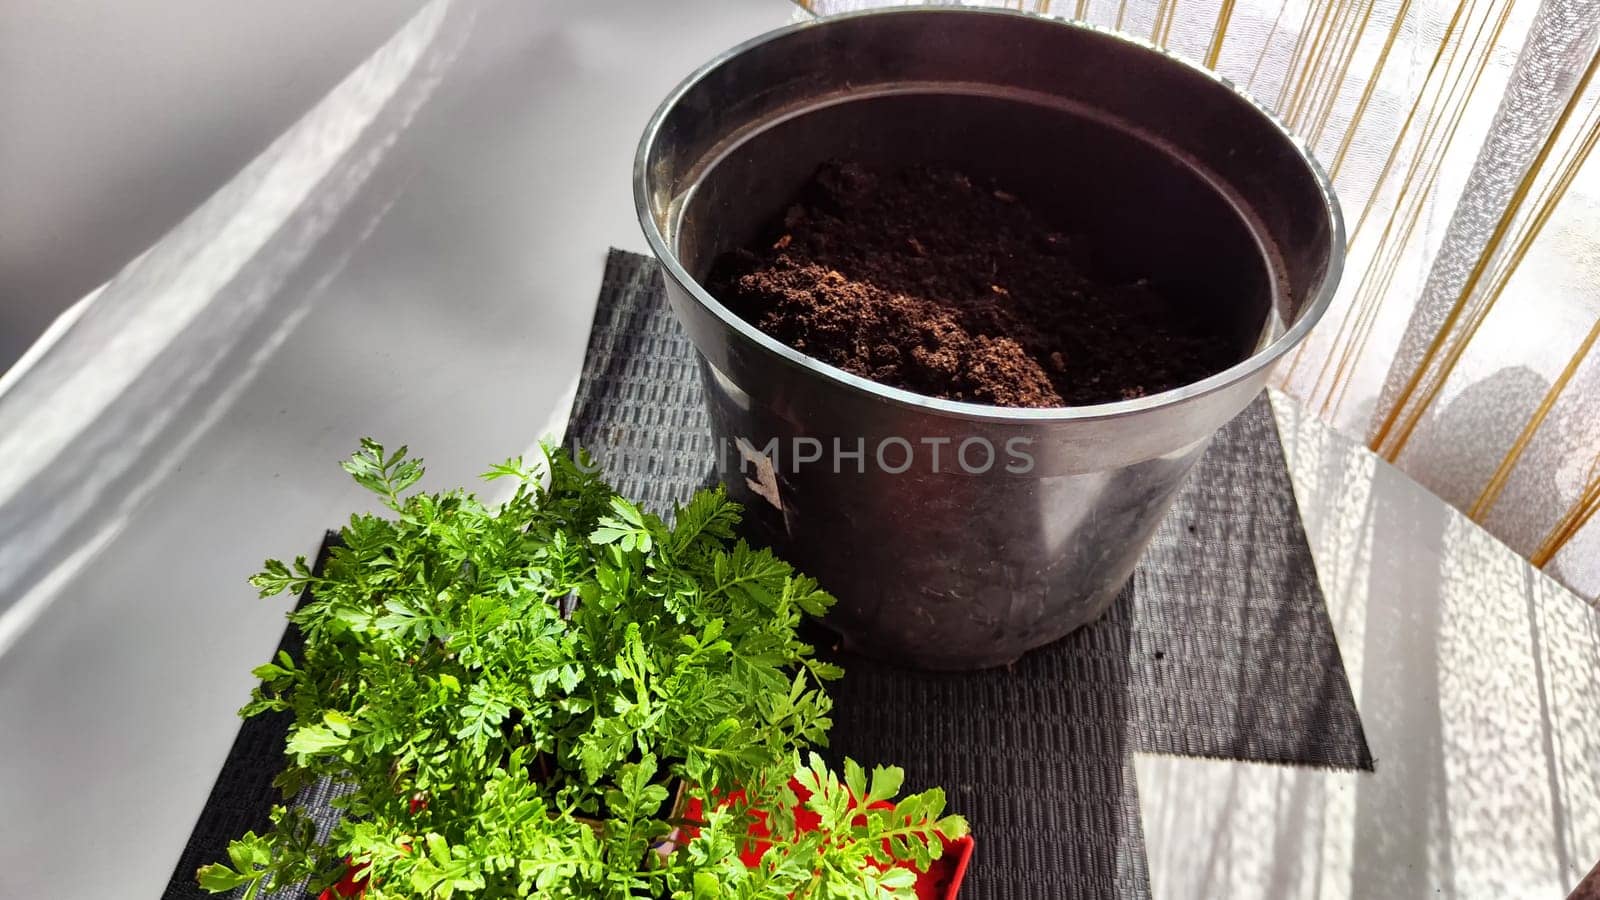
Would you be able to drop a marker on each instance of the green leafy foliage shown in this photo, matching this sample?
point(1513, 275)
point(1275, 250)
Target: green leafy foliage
point(522, 698)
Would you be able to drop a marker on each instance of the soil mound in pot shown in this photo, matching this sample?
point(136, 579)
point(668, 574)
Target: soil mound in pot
point(926, 279)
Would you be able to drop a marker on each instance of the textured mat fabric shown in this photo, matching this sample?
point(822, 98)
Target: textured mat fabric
point(1220, 646)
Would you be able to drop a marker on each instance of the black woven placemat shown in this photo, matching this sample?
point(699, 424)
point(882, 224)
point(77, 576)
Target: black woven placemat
point(1220, 646)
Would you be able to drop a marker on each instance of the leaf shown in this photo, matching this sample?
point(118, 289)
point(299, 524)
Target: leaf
point(886, 782)
point(626, 528)
point(627, 512)
point(249, 853)
point(709, 518)
point(485, 709)
point(953, 827)
point(511, 468)
point(269, 672)
point(384, 475)
point(277, 578)
point(856, 779)
point(404, 621)
point(438, 848)
point(635, 796)
point(338, 723)
point(218, 878)
point(606, 743)
point(312, 739)
point(897, 879)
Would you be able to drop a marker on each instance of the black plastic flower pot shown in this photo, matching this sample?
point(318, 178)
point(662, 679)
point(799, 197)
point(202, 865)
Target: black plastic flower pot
point(1028, 523)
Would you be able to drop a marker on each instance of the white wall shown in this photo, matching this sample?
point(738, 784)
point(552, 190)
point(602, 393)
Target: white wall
point(118, 117)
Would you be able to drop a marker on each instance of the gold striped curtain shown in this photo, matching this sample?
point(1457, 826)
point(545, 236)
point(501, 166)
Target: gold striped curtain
point(1462, 344)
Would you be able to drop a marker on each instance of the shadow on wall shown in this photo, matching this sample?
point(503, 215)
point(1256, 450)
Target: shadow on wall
point(1456, 452)
point(118, 124)
point(103, 413)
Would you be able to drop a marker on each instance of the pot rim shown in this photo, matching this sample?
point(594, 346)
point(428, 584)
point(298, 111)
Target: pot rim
point(1263, 357)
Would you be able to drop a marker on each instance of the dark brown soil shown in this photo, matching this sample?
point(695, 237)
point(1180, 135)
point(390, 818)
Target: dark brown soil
point(925, 279)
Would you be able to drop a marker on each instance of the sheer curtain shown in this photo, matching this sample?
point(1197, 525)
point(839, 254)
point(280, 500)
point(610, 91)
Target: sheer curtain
point(1461, 346)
